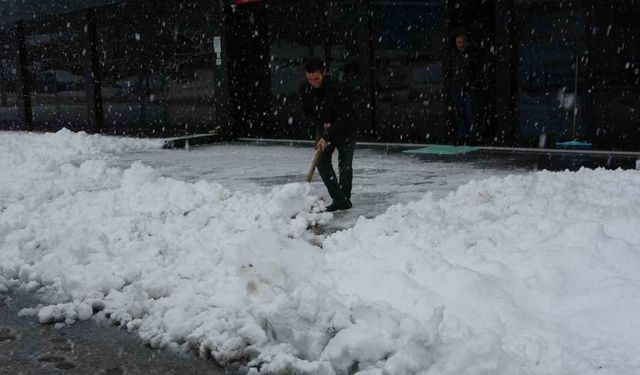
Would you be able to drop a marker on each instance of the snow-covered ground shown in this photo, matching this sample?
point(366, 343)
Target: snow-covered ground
point(528, 273)
point(380, 179)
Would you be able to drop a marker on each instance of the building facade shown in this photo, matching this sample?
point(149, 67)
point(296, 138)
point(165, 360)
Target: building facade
point(182, 67)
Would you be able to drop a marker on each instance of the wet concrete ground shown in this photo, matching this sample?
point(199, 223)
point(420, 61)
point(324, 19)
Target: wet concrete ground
point(381, 178)
point(28, 347)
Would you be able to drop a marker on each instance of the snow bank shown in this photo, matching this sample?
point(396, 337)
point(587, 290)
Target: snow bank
point(30, 160)
point(538, 273)
point(532, 274)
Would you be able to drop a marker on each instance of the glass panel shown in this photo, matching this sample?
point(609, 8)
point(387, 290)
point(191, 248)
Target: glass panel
point(408, 65)
point(247, 28)
point(614, 73)
point(328, 30)
point(119, 42)
point(189, 91)
point(477, 18)
point(296, 31)
point(9, 114)
point(57, 73)
point(157, 68)
point(349, 56)
point(550, 40)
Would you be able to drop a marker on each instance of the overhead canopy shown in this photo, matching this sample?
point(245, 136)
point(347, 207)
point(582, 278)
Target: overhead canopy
point(17, 10)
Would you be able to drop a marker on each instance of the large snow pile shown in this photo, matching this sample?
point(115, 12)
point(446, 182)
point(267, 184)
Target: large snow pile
point(530, 274)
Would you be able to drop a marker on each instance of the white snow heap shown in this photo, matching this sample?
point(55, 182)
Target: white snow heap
point(529, 274)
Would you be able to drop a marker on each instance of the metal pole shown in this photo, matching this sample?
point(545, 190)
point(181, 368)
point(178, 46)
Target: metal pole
point(25, 76)
point(93, 77)
point(575, 98)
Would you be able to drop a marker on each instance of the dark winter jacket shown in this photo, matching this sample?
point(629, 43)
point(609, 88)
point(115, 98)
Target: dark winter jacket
point(331, 103)
point(465, 69)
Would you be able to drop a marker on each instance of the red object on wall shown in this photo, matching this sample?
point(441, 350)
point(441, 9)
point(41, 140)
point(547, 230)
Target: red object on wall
point(240, 2)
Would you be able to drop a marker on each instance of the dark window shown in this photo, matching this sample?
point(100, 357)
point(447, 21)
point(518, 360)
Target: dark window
point(296, 30)
point(408, 38)
point(57, 69)
point(9, 113)
point(614, 73)
point(248, 66)
point(157, 68)
point(331, 30)
point(551, 39)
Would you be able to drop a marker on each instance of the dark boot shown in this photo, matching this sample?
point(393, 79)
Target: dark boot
point(339, 205)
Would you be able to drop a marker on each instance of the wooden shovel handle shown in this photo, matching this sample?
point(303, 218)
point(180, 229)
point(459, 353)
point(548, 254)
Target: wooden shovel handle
point(314, 164)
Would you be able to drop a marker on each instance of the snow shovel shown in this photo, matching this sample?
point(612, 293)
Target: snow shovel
point(314, 164)
point(575, 143)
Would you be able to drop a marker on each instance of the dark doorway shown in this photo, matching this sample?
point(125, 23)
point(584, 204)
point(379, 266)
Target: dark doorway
point(477, 18)
point(249, 72)
point(550, 39)
point(265, 92)
point(336, 31)
point(408, 65)
point(612, 73)
point(297, 30)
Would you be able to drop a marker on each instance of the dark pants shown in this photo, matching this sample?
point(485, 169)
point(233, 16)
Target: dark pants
point(339, 190)
point(464, 104)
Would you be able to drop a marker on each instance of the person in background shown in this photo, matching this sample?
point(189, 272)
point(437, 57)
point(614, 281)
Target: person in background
point(329, 107)
point(463, 85)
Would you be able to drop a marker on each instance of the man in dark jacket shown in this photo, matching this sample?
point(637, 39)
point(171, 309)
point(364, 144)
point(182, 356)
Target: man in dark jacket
point(464, 79)
point(329, 108)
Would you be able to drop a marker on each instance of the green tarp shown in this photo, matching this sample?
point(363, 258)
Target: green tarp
point(443, 150)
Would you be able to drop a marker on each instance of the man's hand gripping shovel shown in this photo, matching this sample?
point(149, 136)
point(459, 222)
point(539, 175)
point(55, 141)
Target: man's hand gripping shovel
point(314, 164)
point(320, 147)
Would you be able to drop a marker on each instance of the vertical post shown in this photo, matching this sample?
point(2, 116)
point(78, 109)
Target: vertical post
point(4, 77)
point(575, 99)
point(92, 76)
point(221, 73)
point(587, 119)
point(4, 87)
point(3, 93)
point(26, 108)
point(324, 8)
point(371, 53)
point(367, 69)
point(446, 73)
point(506, 80)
